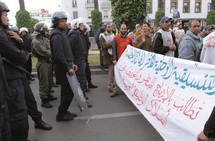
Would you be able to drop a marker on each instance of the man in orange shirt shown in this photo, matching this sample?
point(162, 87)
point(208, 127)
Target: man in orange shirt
point(119, 45)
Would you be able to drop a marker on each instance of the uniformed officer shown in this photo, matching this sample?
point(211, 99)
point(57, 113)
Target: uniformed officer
point(23, 32)
point(63, 57)
point(80, 51)
point(31, 103)
point(41, 49)
point(18, 113)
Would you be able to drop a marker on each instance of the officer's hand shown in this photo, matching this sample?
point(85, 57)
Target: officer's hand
point(75, 67)
point(14, 35)
point(71, 72)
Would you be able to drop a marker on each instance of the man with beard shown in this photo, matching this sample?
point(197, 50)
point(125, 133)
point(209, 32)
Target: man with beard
point(119, 44)
point(63, 57)
point(80, 51)
point(106, 39)
point(144, 40)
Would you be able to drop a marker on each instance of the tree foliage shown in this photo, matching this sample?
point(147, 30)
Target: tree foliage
point(129, 12)
point(158, 15)
point(96, 16)
point(32, 23)
point(23, 19)
point(211, 17)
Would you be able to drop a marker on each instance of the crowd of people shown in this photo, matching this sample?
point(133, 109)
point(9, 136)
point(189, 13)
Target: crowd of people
point(64, 50)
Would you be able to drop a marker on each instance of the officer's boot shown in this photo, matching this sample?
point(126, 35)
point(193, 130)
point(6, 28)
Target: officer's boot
point(45, 103)
point(63, 116)
point(42, 125)
point(91, 85)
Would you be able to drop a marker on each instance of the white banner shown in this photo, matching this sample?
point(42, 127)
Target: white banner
point(175, 95)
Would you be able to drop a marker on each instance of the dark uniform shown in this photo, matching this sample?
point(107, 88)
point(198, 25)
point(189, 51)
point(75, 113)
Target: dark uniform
point(78, 45)
point(63, 57)
point(5, 134)
point(17, 106)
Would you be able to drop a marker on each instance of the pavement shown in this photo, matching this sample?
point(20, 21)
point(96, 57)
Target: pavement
point(112, 119)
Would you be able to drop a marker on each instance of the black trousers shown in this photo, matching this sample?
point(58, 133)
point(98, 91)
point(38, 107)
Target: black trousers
point(5, 134)
point(31, 103)
point(66, 91)
point(18, 112)
point(87, 71)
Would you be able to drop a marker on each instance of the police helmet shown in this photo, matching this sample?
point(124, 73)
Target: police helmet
point(57, 16)
point(39, 28)
point(23, 29)
point(14, 28)
point(3, 7)
point(75, 24)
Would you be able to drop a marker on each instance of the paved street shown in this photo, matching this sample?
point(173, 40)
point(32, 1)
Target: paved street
point(113, 119)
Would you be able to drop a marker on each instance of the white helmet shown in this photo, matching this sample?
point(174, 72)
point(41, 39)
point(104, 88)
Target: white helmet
point(75, 23)
point(87, 27)
point(23, 29)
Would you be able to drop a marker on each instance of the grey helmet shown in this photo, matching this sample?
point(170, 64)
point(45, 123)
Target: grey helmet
point(57, 16)
point(39, 28)
point(3, 7)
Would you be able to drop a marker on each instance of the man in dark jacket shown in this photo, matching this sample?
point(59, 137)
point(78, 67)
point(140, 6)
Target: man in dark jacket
point(63, 58)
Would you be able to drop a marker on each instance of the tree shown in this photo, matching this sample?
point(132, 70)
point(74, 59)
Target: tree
point(96, 16)
point(158, 15)
point(213, 4)
point(23, 19)
point(32, 23)
point(130, 12)
point(211, 17)
point(22, 4)
point(96, 5)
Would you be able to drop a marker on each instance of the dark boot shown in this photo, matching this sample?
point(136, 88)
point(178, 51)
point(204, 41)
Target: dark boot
point(63, 117)
point(71, 114)
point(89, 105)
point(46, 104)
point(90, 85)
point(51, 97)
point(42, 125)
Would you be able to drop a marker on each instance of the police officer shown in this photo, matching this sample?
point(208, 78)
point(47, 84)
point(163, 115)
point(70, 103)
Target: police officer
point(33, 111)
point(23, 31)
point(63, 57)
point(80, 51)
point(18, 114)
point(41, 49)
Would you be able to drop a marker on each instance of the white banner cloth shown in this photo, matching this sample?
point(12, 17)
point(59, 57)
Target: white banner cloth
point(175, 95)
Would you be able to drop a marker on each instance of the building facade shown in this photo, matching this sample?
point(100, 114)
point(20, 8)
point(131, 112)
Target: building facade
point(187, 9)
point(83, 8)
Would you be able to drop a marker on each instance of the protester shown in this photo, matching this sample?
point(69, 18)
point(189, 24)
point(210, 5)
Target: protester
point(119, 45)
point(99, 31)
point(144, 40)
point(163, 42)
point(190, 44)
point(41, 50)
point(63, 57)
point(106, 40)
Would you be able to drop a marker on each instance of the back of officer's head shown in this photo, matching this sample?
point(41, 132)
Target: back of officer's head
point(58, 16)
point(3, 8)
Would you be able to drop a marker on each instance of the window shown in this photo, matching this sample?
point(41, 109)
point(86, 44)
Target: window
point(90, 1)
point(149, 7)
point(75, 14)
point(74, 3)
point(105, 13)
point(209, 6)
point(186, 6)
point(174, 5)
point(198, 7)
point(161, 4)
point(89, 14)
